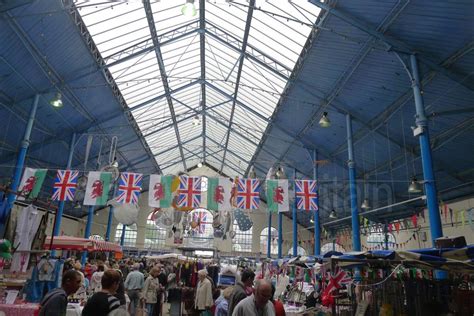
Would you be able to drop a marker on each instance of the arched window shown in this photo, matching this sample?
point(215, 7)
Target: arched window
point(130, 235)
point(378, 239)
point(273, 242)
point(155, 236)
point(331, 246)
point(201, 232)
point(242, 240)
point(300, 251)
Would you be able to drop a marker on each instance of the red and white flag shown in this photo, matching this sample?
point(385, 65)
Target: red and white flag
point(189, 191)
point(65, 185)
point(130, 186)
point(248, 194)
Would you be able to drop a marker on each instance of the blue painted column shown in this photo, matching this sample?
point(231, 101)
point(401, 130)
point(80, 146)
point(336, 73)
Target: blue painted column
point(426, 159)
point(122, 237)
point(269, 239)
point(19, 165)
point(295, 231)
point(59, 213)
point(317, 226)
point(87, 231)
point(109, 223)
point(352, 187)
point(280, 235)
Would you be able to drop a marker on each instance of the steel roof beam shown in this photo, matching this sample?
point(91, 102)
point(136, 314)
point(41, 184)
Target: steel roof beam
point(177, 145)
point(53, 76)
point(251, 57)
point(395, 106)
point(164, 79)
point(437, 142)
point(239, 74)
point(236, 155)
point(393, 43)
point(202, 53)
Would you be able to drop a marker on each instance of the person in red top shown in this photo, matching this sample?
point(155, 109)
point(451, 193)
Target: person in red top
point(277, 304)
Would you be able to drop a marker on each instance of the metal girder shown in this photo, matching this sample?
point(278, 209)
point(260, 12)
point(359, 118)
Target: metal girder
point(177, 145)
point(225, 163)
point(239, 74)
point(436, 142)
point(202, 52)
point(164, 78)
point(166, 94)
point(184, 118)
point(386, 114)
point(147, 45)
point(271, 66)
point(54, 77)
point(393, 43)
point(328, 101)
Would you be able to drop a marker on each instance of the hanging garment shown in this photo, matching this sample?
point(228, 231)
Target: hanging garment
point(27, 225)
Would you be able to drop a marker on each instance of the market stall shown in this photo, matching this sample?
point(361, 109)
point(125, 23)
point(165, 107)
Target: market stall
point(80, 244)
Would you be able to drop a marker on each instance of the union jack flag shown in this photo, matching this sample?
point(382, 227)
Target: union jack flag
point(189, 191)
point(248, 193)
point(129, 188)
point(337, 280)
point(200, 217)
point(306, 196)
point(65, 185)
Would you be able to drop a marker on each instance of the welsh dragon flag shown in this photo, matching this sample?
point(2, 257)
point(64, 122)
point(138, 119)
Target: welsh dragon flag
point(219, 192)
point(159, 194)
point(98, 187)
point(277, 196)
point(31, 182)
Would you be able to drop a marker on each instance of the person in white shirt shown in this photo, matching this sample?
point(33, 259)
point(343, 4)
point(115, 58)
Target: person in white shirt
point(203, 300)
point(95, 285)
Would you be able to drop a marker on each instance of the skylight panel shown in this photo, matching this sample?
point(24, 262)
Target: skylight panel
point(279, 30)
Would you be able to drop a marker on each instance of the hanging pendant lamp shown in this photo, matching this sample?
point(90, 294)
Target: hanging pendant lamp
point(414, 186)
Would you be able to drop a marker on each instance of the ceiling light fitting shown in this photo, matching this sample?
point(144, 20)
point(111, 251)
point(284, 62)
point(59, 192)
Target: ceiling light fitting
point(196, 121)
point(189, 9)
point(324, 121)
point(333, 214)
point(415, 186)
point(365, 204)
point(57, 101)
point(252, 173)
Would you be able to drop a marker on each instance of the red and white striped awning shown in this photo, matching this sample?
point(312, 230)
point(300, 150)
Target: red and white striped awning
point(80, 244)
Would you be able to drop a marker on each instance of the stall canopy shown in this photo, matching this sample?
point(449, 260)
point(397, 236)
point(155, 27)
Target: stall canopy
point(80, 244)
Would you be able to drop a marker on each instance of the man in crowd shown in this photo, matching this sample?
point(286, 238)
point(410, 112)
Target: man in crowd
point(104, 302)
point(134, 285)
point(55, 302)
point(240, 289)
point(258, 304)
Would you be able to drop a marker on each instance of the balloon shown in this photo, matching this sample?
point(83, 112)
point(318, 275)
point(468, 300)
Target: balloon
point(126, 214)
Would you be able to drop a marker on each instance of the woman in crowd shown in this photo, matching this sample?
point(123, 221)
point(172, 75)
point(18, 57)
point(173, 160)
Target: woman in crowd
point(203, 300)
point(222, 303)
point(95, 284)
point(150, 291)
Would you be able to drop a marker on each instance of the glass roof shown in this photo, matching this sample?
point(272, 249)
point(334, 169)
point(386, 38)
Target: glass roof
point(162, 85)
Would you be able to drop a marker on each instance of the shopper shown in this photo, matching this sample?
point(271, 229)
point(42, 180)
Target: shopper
point(203, 300)
point(240, 289)
point(222, 303)
point(258, 303)
point(134, 285)
point(150, 291)
point(104, 302)
point(95, 284)
point(277, 304)
point(55, 302)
